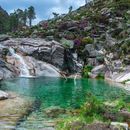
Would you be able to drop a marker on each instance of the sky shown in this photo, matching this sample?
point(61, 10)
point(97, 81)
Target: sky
point(43, 8)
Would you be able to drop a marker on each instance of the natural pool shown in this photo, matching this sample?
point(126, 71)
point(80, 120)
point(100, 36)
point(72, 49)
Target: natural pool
point(48, 92)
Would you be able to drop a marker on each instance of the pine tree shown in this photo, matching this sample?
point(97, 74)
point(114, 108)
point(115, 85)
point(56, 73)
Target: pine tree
point(31, 14)
point(25, 15)
point(14, 21)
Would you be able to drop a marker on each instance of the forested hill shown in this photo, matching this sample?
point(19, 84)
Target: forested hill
point(16, 20)
point(98, 32)
point(4, 20)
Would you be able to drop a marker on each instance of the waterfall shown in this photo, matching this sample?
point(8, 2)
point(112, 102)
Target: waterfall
point(75, 77)
point(24, 72)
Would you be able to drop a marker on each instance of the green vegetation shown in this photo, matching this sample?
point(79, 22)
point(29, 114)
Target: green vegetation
point(4, 21)
point(86, 70)
point(121, 4)
point(94, 110)
point(17, 20)
point(100, 76)
point(67, 43)
point(126, 46)
point(87, 40)
point(31, 14)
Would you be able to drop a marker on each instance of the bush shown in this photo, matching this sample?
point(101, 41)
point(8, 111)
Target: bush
point(126, 47)
point(94, 110)
point(67, 43)
point(92, 106)
point(87, 40)
point(86, 70)
point(121, 4)
point(100, 76)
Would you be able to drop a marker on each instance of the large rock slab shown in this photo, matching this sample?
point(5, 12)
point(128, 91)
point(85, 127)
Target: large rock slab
point(3, 95)
point(98, 69)
point(47, 51)
point(6, 73)
point(12, 110)
point(4, 37)
point(51, 52)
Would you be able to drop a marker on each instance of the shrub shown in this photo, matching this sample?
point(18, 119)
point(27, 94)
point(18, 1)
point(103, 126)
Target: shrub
point(126, 46)
point(86, 71)
point(87, 40)
point(67, 43)
point(121, 4)
point(100, 76)
point(91, 106)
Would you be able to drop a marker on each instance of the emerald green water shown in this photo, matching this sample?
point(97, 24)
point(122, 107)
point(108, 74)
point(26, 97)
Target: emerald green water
point(61, 92)
point(58, 92)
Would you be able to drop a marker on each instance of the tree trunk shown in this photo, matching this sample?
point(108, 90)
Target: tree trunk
point(30, 22)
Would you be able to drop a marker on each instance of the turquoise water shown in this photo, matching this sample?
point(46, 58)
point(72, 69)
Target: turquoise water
point(61, 92)
point(57, 92)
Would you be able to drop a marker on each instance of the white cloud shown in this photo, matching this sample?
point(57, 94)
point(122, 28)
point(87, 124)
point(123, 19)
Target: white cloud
point(63, 5)
point(37, 20)
point(44, 8)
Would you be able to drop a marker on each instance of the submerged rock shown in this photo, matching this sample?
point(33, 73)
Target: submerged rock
point(54, 112)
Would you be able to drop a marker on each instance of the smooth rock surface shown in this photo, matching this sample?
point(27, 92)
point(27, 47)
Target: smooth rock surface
point(3, 95)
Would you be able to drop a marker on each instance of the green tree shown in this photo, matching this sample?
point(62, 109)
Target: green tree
point(4, 21)
point(31, 15)
point(14, 21)
point(20, 14)
point(25, 15)
point(55, 14)
point(70, 9)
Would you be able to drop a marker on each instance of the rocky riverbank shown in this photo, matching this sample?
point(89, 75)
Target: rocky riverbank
point(95, 37)
point(12, 110)
point(39, 57)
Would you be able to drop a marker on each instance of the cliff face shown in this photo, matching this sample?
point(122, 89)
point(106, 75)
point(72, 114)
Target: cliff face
point(27, 57)
point(98, 34)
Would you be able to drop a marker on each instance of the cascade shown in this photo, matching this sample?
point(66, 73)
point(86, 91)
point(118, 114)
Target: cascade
point(24, 72)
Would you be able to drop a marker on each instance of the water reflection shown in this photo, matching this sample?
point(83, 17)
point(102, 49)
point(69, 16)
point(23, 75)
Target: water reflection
point(61, 92)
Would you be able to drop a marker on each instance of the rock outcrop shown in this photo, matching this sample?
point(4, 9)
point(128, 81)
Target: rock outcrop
point(35, 57)
point(3, 95)
point(97, 34)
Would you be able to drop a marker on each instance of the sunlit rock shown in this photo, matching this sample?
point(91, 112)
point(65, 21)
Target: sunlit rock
point(3, 95)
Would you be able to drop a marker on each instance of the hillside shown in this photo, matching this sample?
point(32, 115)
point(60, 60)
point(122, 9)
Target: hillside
point(4, 23)
point(98, 32)
point(71, 72)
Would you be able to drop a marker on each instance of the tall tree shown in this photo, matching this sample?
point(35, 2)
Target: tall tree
point(25, 15)
point(31, 14)
point(14, 21)
point(70, 9)
point(20, 14)
point(4, 21)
